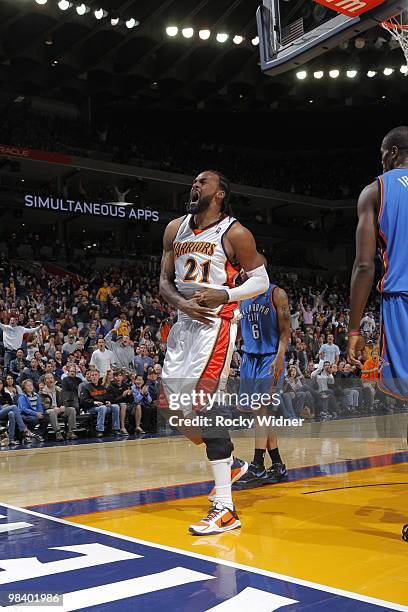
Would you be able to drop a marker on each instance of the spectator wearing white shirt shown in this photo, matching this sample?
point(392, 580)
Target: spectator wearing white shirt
point(69, 346)
point(13, 339)
point(102, 359)
point(367, 324)
point(318, 298)
point(324, 377)
point(294, 319)
point(329, 351)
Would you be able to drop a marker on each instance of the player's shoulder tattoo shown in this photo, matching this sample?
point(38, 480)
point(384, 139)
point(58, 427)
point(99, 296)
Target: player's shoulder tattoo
point(284, 308)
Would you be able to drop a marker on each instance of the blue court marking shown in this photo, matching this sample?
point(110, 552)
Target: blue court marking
point(163, 494)
point(105, 572)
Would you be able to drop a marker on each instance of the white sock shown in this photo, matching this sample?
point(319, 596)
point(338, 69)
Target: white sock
point(222, 477)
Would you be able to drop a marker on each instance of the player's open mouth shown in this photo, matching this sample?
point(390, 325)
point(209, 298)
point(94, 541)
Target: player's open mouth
point(195, 196)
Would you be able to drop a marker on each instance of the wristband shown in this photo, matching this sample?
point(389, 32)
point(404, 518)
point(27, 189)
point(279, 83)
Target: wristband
point(354, 333)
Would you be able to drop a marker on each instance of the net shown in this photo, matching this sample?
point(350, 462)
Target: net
point(398, 28)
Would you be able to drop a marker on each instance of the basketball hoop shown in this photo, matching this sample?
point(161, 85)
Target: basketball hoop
point(399, 31)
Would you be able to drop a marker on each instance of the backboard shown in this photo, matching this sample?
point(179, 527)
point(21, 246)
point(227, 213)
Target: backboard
point(286, 42)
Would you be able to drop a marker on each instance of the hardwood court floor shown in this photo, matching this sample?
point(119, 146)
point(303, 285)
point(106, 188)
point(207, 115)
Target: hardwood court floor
point(41, 475)
point(342, 530)
point(336, 524)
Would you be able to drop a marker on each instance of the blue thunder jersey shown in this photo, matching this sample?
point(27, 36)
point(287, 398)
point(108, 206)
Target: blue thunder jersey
point(393, 230)
point(259, 324)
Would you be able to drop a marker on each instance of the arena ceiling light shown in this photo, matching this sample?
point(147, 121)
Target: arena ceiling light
point(351, 74)
point(114, 21)
point(204, 34)
point(64, 5)
point(301, 75)
point(255, 41)
point(187, 32)
point(237, 40)
point(100, 13)
point(404, 69)
point(222, 37)
point(388, 71)
point(131, 23)
point(371, 74)
point(41, 1)
point(333, 74)
point(172, 30)
point(319, 74)
point(81, 9)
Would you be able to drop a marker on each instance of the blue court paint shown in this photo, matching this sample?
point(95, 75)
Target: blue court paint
point(105, 572)
point(182, 491)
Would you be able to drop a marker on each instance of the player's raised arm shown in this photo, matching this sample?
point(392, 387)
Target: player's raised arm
point(239, 245)
point(363, 269)
point(167, 287)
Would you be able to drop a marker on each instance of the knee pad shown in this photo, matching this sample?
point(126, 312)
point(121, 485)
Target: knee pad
point(218, 448)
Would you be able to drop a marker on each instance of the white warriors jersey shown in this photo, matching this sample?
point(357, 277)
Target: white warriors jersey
point(200, 259)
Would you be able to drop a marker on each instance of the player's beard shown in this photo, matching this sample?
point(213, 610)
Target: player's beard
point(198, 206)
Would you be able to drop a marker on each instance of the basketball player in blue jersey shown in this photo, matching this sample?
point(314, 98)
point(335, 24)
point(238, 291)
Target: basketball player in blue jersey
point(265, 329)
point(383, 220)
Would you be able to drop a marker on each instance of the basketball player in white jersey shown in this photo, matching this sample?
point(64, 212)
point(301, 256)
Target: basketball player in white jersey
point(202, 254)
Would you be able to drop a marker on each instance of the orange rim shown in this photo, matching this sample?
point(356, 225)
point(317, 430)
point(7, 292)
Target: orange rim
point(393, 26)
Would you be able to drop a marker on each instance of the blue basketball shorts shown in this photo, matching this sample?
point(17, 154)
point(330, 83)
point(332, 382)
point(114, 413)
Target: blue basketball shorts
point(256, 379)
point(393, 375)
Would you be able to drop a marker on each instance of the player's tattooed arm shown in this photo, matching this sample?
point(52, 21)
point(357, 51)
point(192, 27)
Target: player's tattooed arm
point(240, 245)
point(285, 311)
point(281, 303)
point(167, 277)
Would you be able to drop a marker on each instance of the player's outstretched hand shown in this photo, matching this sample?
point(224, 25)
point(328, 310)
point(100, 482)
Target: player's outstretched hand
point(211, 298)
point(355, 345)
point(198, 313)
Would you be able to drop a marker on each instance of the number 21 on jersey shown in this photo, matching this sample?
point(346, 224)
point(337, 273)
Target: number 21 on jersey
point(192, 272)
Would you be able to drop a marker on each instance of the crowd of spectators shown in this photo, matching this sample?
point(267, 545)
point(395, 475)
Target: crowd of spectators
point(94, 346)
point(319, 382)
point(68, 348)
point(345, 172)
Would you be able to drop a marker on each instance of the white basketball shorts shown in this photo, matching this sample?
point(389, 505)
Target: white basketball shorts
point(197, 360)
